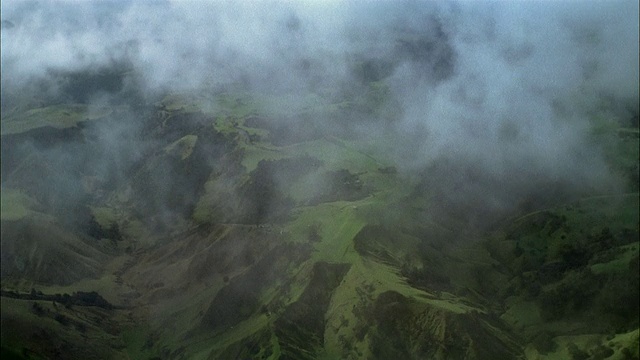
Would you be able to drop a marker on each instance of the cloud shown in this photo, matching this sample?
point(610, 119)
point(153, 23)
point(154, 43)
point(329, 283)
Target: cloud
point(507, 87)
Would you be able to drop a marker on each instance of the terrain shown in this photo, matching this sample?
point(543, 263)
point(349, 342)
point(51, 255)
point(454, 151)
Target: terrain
point(267, 181)
point(234, 235)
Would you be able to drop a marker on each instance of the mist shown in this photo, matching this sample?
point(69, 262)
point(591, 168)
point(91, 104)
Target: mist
point(489, 103)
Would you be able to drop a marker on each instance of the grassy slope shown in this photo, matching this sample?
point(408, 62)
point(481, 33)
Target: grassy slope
point(57, 116)
point(587, 249)
point(40, 329)
point(339, 222)
point(16, 205)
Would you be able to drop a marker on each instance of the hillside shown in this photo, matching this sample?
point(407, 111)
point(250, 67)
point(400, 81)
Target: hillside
point(233, 234)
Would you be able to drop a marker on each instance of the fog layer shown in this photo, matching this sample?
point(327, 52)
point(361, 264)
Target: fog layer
point(491, 101)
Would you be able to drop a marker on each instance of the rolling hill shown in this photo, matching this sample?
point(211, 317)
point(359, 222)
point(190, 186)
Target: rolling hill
point(212, 226)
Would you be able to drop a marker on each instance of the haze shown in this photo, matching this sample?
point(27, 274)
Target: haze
point(502, 92)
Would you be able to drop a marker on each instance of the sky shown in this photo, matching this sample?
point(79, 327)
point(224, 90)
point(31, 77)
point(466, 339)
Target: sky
point(505, 89)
